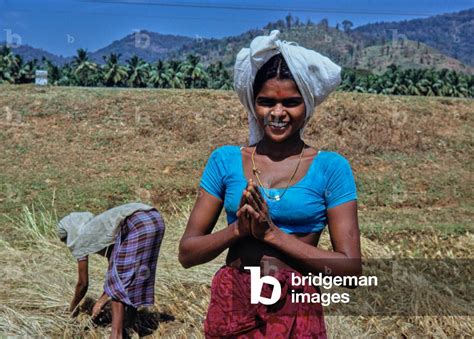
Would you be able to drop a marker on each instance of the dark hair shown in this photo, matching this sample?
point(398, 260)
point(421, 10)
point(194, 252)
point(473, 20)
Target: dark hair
point(275, 68)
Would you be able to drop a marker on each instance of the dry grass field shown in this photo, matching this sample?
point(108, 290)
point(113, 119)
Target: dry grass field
point(72, 149)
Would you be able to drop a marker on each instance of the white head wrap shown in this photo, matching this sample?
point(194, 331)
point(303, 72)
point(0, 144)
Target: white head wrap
point(316, 75)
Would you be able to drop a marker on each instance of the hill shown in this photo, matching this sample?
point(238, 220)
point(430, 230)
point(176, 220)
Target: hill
point(30, 53)
point(327, 40)
point(407, 54)
point(451, 33)
point(358, 48)
point(149, 46)
point(446, 42)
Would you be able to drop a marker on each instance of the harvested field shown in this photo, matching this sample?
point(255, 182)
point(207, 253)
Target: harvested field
point(68, 149)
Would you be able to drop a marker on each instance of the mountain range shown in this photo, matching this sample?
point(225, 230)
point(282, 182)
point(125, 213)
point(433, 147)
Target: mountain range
point(441, 41)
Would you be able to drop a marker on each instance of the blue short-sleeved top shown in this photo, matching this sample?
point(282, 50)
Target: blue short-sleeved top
point(328, 182)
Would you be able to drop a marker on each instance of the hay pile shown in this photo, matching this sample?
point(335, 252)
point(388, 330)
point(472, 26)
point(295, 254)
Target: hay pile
point(38, 277)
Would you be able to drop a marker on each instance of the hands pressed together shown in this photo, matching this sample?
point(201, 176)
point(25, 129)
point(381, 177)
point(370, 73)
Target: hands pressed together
point(253, 214)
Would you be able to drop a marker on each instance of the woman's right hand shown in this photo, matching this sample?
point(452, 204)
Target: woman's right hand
point(245, 213)
point(243, 218)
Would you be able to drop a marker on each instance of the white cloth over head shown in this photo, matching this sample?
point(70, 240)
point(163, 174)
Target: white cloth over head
point(86, 234)
point(315, 75)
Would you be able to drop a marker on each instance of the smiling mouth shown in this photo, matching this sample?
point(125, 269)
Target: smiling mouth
point(278, 125)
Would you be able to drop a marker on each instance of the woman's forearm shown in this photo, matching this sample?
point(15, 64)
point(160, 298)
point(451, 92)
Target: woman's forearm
point(195, 250)
point(79, 293)
point(314, 259)
point(103, 298)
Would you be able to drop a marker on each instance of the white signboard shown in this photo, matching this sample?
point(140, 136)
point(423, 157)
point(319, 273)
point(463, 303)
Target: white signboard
point(41, 78)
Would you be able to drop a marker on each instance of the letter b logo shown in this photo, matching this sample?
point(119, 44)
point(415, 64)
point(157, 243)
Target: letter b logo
point(256, 284)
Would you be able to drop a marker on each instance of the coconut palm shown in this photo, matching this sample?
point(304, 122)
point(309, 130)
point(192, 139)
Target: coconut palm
point(138, 72)
point(159, 78)
point(191, 74)
point(218, 76)
point(25, 72)
point(67, 75)
point(114, 73)
point(54, 71)
point(8, 65)
point(193, 71)
point(173, 74)
point(84, 70)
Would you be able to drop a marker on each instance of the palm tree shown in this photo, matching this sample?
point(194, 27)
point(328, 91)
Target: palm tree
point(67, 75)
point(15, 71)
point(191, 74)
point(114, 73)
point(138, 72)
point(8, 65)
point(193, 71)
point(54, 72)
point(159, 78)
point(84, 69)
point(218, 76)
point(26, 71)
point(173, 74)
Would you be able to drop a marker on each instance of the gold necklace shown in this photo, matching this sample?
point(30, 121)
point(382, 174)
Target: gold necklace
point(256, 172)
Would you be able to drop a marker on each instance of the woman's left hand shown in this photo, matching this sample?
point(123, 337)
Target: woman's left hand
point(261, 224)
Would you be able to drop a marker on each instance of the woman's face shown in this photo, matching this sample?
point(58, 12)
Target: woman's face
point(280, 109)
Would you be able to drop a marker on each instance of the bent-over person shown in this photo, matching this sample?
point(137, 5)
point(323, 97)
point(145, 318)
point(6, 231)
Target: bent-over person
point(130, 237)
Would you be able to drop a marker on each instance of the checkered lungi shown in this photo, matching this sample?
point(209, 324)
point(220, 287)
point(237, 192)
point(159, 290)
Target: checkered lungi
point(130, 277)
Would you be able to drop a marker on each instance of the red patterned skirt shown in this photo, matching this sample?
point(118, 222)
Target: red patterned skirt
point(231, 315)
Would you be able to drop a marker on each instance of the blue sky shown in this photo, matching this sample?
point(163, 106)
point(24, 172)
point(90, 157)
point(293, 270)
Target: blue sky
point(63, 26)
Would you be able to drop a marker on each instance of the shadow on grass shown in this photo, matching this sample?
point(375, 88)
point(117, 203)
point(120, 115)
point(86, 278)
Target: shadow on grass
point(145, 323)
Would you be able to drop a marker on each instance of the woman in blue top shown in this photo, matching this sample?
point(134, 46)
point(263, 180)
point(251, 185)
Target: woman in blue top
point(278, 193)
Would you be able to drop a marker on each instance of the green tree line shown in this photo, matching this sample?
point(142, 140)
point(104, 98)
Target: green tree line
point(424, 82)
point(191, 73)
point(136, 72)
